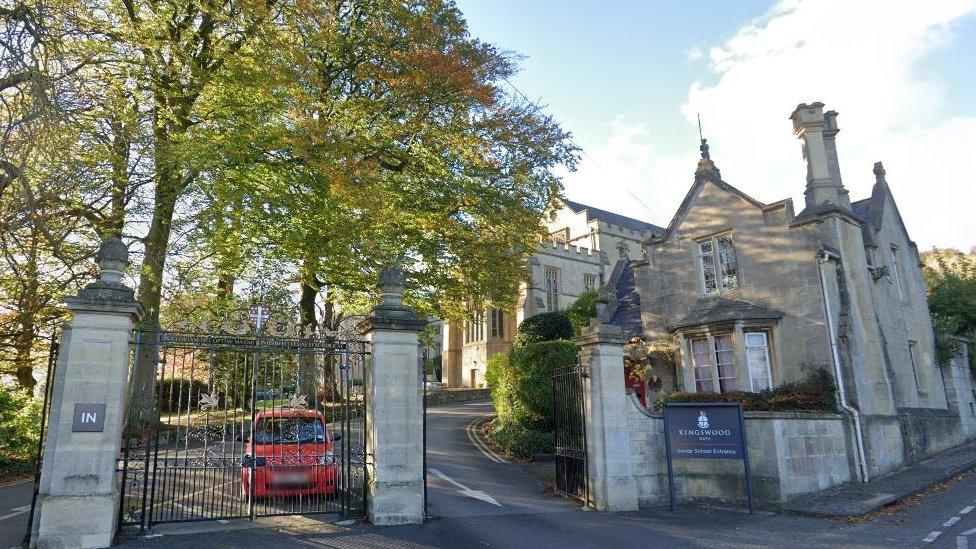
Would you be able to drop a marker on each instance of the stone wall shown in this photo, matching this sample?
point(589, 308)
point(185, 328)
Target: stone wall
point(791, 454)
point(439, 397)
point(960, 389)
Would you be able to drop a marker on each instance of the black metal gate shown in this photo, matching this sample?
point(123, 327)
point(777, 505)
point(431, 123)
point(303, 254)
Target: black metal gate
point(569, 421)
point(242, 426)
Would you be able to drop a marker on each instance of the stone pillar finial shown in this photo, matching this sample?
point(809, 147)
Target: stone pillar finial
point(393, 283)
point(879, 173)
point(112, 259)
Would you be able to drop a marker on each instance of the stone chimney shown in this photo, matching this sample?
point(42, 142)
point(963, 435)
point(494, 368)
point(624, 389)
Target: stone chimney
point(818, 130)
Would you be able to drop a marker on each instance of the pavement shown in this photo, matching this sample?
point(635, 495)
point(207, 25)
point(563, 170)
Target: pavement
point(477, 498)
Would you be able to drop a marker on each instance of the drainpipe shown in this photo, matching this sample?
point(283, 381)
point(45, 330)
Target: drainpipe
point(823, 256)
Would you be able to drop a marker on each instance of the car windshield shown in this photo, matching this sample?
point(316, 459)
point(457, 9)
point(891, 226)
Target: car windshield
point(289, 430)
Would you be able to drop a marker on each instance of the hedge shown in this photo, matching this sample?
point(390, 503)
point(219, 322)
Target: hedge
point(544, 327)
point(816, 393)
point(521, 388)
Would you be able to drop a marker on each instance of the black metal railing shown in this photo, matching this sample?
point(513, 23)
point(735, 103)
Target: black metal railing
point(245, 426)
point(569, 422)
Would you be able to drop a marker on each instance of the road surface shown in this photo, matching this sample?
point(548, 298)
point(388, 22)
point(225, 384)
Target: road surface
point(477, 501)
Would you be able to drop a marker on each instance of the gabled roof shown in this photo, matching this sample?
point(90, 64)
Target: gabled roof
point(613, 218)
point(700, 180)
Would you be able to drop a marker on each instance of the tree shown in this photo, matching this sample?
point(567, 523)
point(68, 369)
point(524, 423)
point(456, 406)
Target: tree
point(336, 136)
point(950, 278)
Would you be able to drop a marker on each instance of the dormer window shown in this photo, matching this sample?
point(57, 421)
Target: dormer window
point(718, 269)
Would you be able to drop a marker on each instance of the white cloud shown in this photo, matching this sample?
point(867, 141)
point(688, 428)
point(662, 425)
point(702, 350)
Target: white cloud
point(863, 59)
point(626, 175)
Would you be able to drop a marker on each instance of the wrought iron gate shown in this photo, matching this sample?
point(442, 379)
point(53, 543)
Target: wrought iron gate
point(569, 416)
point(242, 426)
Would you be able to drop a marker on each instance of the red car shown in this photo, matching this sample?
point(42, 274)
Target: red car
point(292, 455)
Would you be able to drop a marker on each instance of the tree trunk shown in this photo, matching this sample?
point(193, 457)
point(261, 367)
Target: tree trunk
point(170, 184)
point(23, 363)
point(309, 374)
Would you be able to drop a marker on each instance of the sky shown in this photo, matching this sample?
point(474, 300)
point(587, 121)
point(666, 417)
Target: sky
point(628, 78)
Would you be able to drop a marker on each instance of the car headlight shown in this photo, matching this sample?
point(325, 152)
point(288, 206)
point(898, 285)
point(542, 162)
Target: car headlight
point(327, 458)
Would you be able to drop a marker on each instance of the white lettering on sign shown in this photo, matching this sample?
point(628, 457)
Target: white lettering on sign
point(89, 417)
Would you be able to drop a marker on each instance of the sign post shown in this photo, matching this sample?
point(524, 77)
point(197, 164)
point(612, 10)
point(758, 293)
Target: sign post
point(705, 431)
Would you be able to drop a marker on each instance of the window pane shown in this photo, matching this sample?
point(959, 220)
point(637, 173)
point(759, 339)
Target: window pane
point(725, 363)
point(704, 383)
point(552, 289)
point(706, 265)
point(755, 339)
point(726, 257)
point(757, 352)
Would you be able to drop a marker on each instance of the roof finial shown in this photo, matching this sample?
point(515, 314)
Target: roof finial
point(704, 142)
point(879, 172)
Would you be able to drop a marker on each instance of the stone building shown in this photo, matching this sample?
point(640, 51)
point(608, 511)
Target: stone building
point(582, 253)
point(755, 295)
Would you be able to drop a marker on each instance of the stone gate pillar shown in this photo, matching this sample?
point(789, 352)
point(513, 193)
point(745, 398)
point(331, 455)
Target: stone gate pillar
point(395, 411)
point(609, 460)
point(78, 497)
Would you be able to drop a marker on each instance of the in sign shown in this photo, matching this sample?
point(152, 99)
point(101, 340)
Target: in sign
point(88, 418)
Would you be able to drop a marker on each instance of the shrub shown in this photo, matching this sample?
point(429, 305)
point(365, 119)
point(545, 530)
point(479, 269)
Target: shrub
point(529, 381)
point(494, 370)
point(816, 393)
point(519, 441)
point(20, 427)
point(582, 310)
point(544, 327)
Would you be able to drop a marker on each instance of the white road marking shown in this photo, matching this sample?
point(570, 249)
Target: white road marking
point(464, 490)
point(966, 510)
point(482, 447)
point(346, 522)
point(950, 522)
point(17, 511)
point(932, 536)
point(478, 404)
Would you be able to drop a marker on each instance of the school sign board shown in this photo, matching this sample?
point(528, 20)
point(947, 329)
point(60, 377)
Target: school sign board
point(705, 431)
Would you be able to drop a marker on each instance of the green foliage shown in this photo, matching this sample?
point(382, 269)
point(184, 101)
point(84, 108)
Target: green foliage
point(816, 393)
point(494, 370)
point(521, 388)
point(582, 310)
point(519, 441)
point(20, 427)
point(544, 327)
point(950, 279)
point(529, 379)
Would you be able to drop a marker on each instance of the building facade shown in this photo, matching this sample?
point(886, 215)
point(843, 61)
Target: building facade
point(756, 296)
point(585, 244)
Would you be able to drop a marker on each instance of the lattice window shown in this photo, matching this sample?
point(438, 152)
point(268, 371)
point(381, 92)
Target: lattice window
point(552, 289)
point(718, 267)
point(589, 282)
point(725, 363)
point(497, 319)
